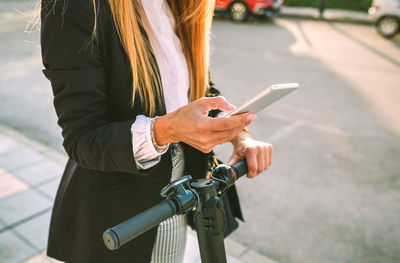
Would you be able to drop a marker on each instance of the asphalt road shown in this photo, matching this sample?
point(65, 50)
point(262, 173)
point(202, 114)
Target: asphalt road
point(332, 194)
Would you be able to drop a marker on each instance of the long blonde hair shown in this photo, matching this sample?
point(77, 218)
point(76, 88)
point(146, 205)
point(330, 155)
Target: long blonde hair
point(193, 22)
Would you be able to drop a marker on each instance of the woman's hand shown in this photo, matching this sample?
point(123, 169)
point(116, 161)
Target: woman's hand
point(258, 154)
point(191, 124)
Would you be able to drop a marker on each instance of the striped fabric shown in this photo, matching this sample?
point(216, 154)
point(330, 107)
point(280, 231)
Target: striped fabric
point(169, 246)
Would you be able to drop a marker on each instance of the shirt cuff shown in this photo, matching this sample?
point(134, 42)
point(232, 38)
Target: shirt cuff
point(144, 152)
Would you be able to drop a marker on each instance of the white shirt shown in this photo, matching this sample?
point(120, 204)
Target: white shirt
point(174, 77)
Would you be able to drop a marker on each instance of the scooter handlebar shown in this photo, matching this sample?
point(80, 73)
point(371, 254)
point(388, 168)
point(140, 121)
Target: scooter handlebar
point(118, 235)
point(240, 169)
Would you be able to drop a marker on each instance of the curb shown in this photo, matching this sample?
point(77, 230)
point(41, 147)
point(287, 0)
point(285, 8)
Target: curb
point(340, 20)
point(329, 15)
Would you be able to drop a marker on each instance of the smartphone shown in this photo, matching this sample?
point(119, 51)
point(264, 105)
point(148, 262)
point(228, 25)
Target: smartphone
point(264, 99)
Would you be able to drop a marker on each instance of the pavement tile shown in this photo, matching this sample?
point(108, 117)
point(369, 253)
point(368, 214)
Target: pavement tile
point(232, 259)
point(41, 258)
point(18, 158)
point(233, 248)
point(192, 252)
point(10, 184)
point(251, 256)
point(13, 249)
point(39, 172)
point(50, 188)
point(8, 145)
point(22, 205)
point(36, 230)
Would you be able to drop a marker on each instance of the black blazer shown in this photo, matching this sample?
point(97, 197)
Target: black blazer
point(101, 185)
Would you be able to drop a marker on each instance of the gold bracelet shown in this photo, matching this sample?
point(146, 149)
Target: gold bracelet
point(159, 148)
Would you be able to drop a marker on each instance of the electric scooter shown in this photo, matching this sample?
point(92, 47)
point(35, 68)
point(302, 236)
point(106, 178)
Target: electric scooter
point(201, 196)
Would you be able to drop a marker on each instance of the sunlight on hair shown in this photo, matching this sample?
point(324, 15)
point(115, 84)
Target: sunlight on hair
point(32, 15)
point(193, 23)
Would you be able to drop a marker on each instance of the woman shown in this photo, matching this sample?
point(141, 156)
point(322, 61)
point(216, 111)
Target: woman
point(128, 79)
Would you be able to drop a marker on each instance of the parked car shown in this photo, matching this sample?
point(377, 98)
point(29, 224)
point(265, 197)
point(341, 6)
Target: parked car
point(240, 10)
point(386, 15)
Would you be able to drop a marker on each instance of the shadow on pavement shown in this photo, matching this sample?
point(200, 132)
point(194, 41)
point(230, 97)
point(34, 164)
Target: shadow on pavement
point(331, 193)
point(370, 48)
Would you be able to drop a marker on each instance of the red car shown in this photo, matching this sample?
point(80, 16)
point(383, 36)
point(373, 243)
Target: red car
point(241, 9)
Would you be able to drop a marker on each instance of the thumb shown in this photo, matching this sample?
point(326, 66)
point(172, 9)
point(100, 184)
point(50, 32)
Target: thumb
point(233, 160)
point(218, 102)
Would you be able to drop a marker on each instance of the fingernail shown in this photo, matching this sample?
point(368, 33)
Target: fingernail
point(231, 107)
point(251, 117)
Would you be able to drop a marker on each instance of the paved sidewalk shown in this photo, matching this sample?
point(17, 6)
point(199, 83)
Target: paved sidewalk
point(29, 174)
point(329, 14)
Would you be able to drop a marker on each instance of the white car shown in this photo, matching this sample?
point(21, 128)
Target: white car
point(386, 15)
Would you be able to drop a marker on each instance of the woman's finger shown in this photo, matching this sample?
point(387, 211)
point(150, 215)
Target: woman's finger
point(270, 154)
point(251, 157)
point(230, 122)
point(220, 137)
point(260, 159)
point(214, 103)
point(266, 157)
point(234, 159)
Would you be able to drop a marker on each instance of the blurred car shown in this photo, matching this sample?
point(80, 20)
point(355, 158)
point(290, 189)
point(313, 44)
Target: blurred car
point(240, 10)
point(386, 15)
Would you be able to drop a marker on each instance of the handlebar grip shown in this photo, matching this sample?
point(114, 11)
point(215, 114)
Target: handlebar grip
point(240, 169)
point(118, 235)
